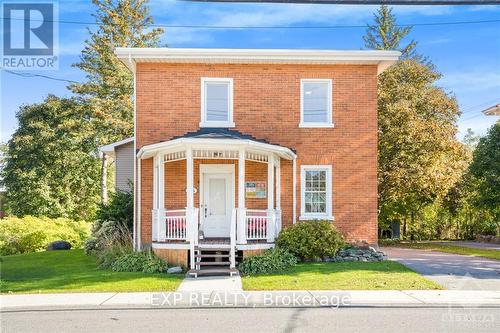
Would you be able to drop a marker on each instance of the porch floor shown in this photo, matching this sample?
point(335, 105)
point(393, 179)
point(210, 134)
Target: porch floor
point(214, 241)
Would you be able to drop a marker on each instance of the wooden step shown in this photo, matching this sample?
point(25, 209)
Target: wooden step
point(212, 263)
point(213, 271)
point(212, 255)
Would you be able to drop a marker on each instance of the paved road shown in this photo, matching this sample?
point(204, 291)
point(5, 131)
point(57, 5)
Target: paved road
point(474, 245)
point(452, 271)
point(288, 320)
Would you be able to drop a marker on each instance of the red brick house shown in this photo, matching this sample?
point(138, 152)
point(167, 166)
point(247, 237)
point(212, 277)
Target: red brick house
point(234, 145)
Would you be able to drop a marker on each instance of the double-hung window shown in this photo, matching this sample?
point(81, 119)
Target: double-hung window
point(316, 192)
point(216, 102)
point(316, 103)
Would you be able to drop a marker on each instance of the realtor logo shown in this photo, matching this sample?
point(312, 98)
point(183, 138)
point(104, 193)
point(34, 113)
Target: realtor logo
point(29, 36)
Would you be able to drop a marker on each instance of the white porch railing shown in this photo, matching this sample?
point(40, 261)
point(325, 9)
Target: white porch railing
point(259, 225)
point(174, 224)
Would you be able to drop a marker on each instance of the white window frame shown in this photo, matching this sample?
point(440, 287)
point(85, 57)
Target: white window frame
point(329, 123)
point(328, 215)
point(204, 122)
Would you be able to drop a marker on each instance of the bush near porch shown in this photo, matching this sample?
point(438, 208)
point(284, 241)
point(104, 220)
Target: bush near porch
point(311, 240)
point(31, 234)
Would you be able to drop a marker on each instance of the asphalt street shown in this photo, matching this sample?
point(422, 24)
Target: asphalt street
point(373, 320)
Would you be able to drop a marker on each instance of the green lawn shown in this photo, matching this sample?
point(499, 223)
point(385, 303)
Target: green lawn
point(73, 271)
point(486, 253)
point(384, 275)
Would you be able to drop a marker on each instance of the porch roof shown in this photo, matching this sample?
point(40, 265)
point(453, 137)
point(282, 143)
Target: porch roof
point(216, 138)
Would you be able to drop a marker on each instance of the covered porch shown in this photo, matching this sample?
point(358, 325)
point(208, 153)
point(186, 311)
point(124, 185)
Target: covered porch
point(216, 189)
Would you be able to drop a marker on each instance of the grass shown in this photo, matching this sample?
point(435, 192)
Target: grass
point(73, 271)
point(485, 253)
point(385, 275)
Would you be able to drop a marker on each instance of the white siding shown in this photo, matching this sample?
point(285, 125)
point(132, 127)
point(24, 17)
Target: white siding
point(124, 167)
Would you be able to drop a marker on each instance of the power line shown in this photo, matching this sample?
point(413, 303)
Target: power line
point(39, 75)
point(181, 26)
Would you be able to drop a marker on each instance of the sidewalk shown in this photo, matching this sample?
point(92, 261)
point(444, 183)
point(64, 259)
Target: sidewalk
point(218, 299)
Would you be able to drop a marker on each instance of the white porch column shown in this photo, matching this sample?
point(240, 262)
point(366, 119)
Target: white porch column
point(278, 196)
point(278, 183)
point(191, 223)
point(190, 178)
point(241, 230)
point(270, 198)
point(294, 194)
point(160, 196)
point(270, 182)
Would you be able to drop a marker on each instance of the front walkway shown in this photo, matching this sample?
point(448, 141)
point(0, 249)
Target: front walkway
point(452, 271)
point(211, 283)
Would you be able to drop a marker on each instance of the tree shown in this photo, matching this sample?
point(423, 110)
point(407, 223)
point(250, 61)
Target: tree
point(486, 168)
point(51, 167)
point(109, 85)
point(419, 157)
point(386, 35)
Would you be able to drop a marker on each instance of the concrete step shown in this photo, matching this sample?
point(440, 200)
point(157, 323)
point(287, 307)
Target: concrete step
point(212, 263)
point(213, 271)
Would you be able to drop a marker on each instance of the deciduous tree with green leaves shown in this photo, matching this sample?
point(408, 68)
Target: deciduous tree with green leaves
point(419, 157)
point(51, 168)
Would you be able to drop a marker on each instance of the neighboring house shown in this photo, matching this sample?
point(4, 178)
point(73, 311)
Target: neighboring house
point(493, 110)
point(234, 145)
point(122, 153)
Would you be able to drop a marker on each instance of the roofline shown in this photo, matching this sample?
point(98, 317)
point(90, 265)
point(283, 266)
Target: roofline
point(130, 56)
point(109, 149)
point(145, 151)
point(492, 110)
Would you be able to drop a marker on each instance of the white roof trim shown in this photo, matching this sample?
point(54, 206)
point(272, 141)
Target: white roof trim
point(492, 110)
point(110, 149)
point(131, 56)
point(149, 151)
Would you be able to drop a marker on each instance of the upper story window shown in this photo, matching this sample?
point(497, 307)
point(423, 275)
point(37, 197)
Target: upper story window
point(316, 103)
point(316, 192)
point(216, 102)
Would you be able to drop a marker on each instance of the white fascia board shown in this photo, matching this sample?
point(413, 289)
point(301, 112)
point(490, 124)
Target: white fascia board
point(149, 150)
point(110, 149)
point(130, 56)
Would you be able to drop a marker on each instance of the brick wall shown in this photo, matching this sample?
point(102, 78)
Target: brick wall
point(267, 105)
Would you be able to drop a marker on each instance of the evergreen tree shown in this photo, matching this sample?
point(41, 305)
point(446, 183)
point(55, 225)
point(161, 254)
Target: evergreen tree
point(386, 35)
point(109, 85)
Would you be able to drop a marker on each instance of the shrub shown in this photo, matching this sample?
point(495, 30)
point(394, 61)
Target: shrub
point(31, 234)
point(272, 261)
point(310, 240)
point(118, 211)
point(144, 261)
point(91, 246)
point(113, 221)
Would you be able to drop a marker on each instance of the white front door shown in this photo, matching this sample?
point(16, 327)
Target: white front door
point(217, 204)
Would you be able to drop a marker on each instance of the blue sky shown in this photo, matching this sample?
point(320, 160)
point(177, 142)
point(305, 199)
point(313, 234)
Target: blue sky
point(468, 56)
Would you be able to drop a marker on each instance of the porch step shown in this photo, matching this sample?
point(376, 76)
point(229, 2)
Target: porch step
point(216, 247)
point(212, 263)
point(212, 255)
point(213, 271)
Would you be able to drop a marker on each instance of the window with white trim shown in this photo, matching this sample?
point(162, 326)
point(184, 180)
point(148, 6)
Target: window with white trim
point(216, 102)
point(316, 103)
point(316, 192)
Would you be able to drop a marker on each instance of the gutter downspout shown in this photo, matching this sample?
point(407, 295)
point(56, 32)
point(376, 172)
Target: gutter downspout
point(137, 218)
